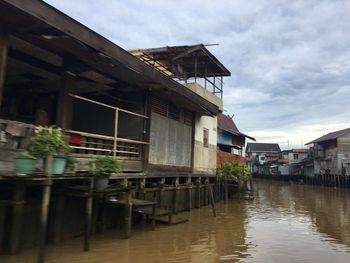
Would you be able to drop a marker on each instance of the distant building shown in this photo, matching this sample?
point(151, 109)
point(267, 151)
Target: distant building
point(230, 141)
point(292, 161)
point(332, 152)
point(261, 156)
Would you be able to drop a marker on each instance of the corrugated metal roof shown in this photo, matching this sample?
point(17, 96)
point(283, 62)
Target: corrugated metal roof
point(263, 147)
point(163, 59)
point(226, 123)
point(331, 136)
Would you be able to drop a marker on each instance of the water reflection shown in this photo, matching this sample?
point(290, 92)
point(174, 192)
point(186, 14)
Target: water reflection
point(285, 223)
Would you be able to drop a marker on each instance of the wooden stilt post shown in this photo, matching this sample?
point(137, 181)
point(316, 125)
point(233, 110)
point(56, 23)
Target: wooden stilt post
point(58, 219)
point(198, 193)
point(95, 214)
point(3, 62)
point(175, 190)
point(128, 214)
point(45, 208)
point(160, 192)
point(189, 194)
point(346, 181)
point(338, 180)
point(206, 192)
point(17, 215)
point(88, 215)
point(212, 201)
point(3, 205)
point(154, 216)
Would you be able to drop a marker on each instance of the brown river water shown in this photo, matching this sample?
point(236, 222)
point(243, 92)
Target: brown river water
point(285, 223)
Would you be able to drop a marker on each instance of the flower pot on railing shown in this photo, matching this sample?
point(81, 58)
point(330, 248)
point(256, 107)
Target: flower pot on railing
point(25, 163)
point(58, 165)
point(50, 144)
point(101, 182)
point(104, 167)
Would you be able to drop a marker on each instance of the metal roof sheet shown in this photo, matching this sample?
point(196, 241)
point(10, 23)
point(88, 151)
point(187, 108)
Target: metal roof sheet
point(263, 147)
point(331, 136)
point(227, 124)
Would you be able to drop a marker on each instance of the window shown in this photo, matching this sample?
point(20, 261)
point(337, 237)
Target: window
point(205, 137)
point(295, 156)
point(171, 111)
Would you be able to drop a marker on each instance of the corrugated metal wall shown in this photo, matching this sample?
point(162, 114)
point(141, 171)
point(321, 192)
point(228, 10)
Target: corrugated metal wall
point(170, 142)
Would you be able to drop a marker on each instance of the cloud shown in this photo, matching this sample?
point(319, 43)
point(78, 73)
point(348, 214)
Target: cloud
point(289, 59)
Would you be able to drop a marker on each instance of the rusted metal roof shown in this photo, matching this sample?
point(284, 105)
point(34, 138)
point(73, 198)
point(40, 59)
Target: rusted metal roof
point(227, 124)
point(167, 59)
point(330, 136)
point(262, 147)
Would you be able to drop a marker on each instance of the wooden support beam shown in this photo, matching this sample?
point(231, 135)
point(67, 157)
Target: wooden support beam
point(58, 219)
point(17, 217)
point(45, 209)
point(33, 61)
point(88, 215)
point(212, 201)
point(65, 102)
point(189, 194)
point(198, 193)
point(3, 63)
point(175, 193)
point(127, 215)
point(3, 206)
point(116, 118)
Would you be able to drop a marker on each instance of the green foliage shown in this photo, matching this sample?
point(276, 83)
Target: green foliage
point(48, 141)
point(106, 165)
point(236, 172)
point(26, 155)
point(71, 162)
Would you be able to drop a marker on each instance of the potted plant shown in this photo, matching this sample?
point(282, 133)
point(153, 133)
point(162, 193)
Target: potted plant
point(236, 172)
point(50, 142)
point(104, 167)
point(71, 163)
point(25, 163)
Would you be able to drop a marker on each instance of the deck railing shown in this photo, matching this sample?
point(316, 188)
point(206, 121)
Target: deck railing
point(96, 144)
point(84, 144)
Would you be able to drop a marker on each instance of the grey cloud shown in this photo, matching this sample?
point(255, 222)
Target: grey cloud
point(289, 59)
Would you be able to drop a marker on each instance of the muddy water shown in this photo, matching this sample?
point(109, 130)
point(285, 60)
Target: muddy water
point(285, 223)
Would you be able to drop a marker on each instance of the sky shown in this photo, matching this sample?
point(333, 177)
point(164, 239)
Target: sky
point(289, 60)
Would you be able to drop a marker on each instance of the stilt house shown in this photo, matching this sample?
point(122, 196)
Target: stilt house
point(154, 109)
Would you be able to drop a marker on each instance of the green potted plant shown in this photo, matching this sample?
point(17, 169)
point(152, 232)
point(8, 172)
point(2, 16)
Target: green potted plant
point(236, 172)
point(104, 167)
point(25, 163)
point(50, 142)
point(71, 163)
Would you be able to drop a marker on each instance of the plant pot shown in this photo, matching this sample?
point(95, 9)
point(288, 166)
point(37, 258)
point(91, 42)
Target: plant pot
point(58, 165)
point(101, 182)
point(24, 166)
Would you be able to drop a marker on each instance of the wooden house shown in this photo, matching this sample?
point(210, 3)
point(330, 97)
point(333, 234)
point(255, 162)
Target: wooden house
point(331, 152)
point(154, 109)
point(231, 141)
point(261, 156)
